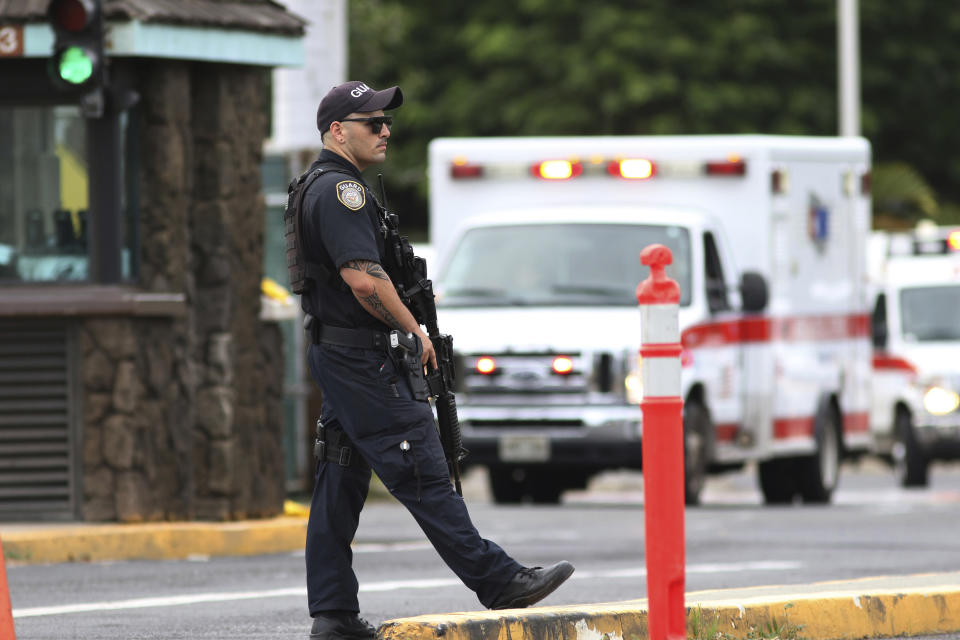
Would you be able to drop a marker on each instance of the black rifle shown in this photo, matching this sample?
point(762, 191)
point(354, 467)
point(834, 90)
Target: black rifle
point(416, 293)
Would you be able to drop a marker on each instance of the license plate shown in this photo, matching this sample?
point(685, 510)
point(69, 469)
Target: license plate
point(524, 448)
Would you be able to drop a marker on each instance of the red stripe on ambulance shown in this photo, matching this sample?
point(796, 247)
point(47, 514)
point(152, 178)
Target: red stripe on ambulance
point(886, 362)
point(799, 329)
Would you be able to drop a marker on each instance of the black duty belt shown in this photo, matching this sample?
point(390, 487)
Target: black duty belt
point(341, 336)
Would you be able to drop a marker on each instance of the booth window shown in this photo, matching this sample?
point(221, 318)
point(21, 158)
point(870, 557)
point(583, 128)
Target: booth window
point(44, 196)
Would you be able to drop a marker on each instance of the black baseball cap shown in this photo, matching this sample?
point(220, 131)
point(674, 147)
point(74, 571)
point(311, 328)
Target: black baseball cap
point(354, 97)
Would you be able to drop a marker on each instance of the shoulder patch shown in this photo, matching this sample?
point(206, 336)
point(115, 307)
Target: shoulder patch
point(351, 195)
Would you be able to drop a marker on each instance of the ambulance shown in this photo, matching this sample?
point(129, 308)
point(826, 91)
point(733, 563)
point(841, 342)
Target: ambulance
point(538, 243)
point(915, 411)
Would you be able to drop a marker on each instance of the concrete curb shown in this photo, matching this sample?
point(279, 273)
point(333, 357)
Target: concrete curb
point(151, 541)
point(870, 608)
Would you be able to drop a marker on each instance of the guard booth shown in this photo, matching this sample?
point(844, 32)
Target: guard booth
point(139, 379)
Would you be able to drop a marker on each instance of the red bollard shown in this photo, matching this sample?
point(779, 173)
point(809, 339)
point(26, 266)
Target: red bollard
point(662, 407)
point(7, 631)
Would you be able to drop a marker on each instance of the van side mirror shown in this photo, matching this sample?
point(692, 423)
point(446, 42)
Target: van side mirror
point(879, 334)
point(878, 322)
point(753, 291)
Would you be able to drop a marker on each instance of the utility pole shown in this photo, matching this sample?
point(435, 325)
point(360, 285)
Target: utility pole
point(848, 76)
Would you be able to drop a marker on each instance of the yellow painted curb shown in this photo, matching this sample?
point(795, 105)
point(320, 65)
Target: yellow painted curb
point(296, 509)
point(154, 541)
point(845, 613)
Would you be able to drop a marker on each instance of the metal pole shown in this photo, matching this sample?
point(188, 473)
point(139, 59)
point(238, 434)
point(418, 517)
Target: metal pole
point(105, 218)
point(848, 76)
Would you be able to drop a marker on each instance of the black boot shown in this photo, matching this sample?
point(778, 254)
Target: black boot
point(532, 585)
point(341, 626)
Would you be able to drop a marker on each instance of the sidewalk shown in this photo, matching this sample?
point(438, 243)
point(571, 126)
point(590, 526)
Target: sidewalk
point(870, 607)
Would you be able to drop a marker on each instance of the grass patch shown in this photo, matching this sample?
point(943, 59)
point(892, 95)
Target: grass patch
point(774, 629)
point(702, 625)
point(15, 555)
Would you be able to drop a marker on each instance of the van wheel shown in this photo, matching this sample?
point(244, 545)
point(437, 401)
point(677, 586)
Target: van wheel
point(697, 450)
point(545, 486)
point(513, 485)
point(820, 473)
point(506, 484)
point(909, 463)
point(778, 481)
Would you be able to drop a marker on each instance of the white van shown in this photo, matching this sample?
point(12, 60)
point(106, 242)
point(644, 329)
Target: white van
point(538, 241)
point(915, 412)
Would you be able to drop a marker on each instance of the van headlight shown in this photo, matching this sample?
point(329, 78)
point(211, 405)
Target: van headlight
point(633, 382)
point(940, 401)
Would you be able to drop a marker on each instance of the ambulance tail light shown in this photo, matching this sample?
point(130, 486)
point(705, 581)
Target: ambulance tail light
point(556, 169)
point(632, 168)
point(865, 183)
point(732, 166)
point(462, 169)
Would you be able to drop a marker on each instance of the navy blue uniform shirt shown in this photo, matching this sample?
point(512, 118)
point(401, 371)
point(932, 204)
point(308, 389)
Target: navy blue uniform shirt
point(340, 223)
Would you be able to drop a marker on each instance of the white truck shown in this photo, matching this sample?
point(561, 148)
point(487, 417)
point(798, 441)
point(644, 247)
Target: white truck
point(915, 410)
point(538, 243)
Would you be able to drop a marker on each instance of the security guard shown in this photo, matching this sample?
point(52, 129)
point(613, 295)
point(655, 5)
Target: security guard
point(370, 417)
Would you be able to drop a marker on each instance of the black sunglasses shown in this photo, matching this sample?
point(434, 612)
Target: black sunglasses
point(376, 122)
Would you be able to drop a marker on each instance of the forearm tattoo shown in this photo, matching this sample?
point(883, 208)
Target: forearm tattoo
point(380, 310)
point(368, 267)
point(373, 301)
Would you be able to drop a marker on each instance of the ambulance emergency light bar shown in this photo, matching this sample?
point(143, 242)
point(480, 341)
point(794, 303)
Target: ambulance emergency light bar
point(621, 167)
point(925, 244)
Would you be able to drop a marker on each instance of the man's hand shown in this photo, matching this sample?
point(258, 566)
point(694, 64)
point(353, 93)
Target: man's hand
point(429, 354)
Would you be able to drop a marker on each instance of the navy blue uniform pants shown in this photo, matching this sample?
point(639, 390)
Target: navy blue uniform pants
point(365, 399)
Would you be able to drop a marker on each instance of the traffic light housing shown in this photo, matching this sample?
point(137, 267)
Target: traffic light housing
point(77, 61)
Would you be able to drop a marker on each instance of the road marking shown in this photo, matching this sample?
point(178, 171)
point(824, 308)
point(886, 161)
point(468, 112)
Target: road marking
point(379, 547)
point(390, 585)
point(719, 567)
point(163, 601)
point(373, 547)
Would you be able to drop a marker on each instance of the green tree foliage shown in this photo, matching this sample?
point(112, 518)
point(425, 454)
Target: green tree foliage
point(911, 67)
point(560, 67)
point(901, 197)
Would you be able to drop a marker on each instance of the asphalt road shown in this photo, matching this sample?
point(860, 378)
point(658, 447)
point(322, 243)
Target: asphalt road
point(874, 528)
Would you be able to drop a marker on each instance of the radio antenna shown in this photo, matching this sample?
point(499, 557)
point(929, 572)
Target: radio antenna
point(383, 192)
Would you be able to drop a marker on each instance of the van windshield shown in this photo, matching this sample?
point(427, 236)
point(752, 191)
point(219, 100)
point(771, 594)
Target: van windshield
point(930, 313)
point(579, 264)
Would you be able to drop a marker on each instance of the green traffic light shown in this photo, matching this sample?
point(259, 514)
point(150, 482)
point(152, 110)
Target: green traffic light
point(75, 65)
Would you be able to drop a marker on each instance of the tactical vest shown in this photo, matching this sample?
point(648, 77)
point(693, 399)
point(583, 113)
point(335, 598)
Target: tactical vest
point(302, 272)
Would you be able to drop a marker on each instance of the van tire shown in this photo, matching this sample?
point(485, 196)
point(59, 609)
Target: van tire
point(820, 473)
point(778, 480)
point(506, 484)
point(911, 465)
point(697, 450)
point(538, 485)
